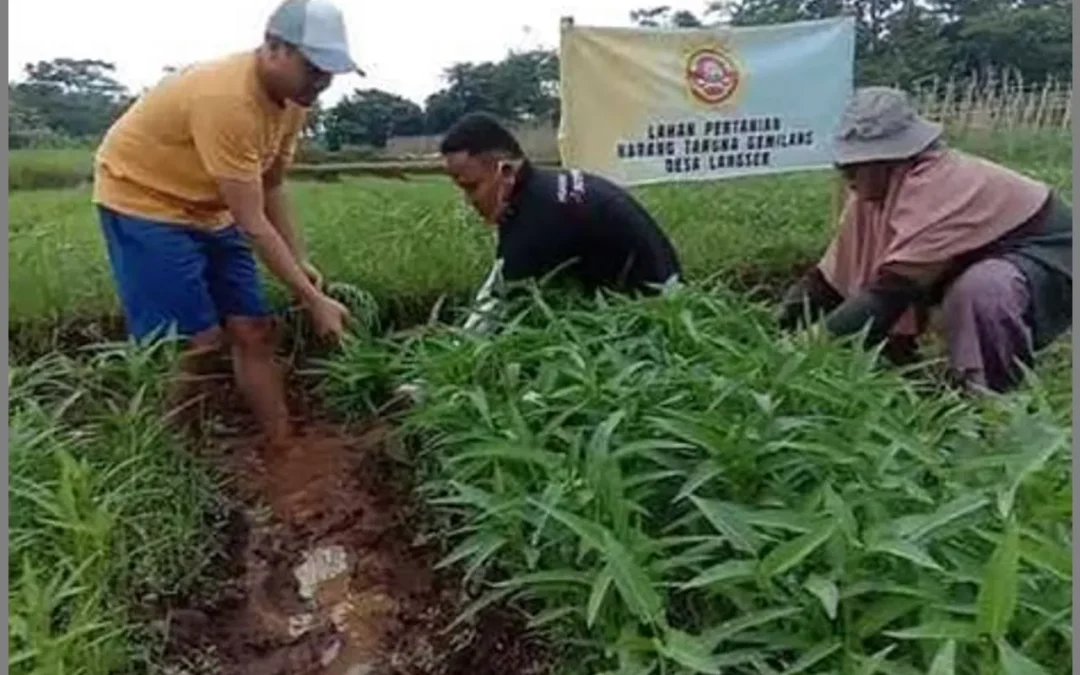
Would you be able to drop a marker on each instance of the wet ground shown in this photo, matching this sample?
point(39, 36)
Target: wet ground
point(328, 573)
point(326, 570)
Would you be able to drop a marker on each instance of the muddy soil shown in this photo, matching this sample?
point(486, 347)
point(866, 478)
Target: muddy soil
point(329, 571)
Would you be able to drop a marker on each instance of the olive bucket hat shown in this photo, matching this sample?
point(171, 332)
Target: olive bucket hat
point(880, 124)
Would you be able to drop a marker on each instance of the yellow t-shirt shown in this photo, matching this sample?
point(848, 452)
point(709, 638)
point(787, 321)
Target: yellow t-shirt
point(162, 158)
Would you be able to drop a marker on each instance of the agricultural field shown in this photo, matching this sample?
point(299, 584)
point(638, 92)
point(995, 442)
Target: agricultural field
point(668, 486)
point(410, 241)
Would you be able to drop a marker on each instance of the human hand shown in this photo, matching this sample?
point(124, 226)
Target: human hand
point(329, 316)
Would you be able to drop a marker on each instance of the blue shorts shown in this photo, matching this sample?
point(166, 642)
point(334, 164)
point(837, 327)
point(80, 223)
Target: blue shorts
point(175, 277)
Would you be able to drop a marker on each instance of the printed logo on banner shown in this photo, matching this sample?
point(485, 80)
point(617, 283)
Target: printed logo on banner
point(713, 75)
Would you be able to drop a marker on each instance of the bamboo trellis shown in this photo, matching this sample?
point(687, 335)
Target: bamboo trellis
point(996, 101)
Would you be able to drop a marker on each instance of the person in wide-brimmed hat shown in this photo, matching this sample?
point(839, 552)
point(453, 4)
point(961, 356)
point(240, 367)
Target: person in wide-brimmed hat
point(924, 225)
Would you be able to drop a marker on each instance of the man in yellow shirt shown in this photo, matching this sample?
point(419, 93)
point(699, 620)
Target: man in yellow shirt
point(189, 180)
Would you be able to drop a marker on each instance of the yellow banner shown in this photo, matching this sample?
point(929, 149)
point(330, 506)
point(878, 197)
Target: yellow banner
point(646, 105)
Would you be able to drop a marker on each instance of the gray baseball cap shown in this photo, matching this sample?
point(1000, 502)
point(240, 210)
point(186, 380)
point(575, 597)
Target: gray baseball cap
point(317, 29)
point(881, 124)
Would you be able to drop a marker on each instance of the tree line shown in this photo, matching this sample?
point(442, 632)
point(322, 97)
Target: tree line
point(902, 42)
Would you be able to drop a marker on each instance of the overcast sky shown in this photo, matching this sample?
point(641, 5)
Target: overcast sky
point(403, 44)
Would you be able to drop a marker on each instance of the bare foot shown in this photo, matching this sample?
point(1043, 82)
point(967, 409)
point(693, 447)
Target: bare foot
point(279, 445)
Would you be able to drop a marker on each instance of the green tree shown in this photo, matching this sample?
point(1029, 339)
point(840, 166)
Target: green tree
point(1033, 39)
point(906, 41)
point(370, 117)
point(441, 109)
point(77, 98)
point(663, 16)
point(523, 86)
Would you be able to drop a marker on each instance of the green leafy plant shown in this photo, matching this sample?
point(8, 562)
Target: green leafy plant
point(671, 484)
point(107, 509)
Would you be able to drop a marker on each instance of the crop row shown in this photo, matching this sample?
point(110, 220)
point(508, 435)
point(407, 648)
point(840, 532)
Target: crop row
point(672, 486)
point(110, 512)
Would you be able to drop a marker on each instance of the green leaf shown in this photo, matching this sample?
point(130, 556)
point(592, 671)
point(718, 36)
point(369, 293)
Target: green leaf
point(1048, 623)
point(740, 656)
point(892, 668)
point(600, 443)
point(841, 511)
point(861, 588)
point(688, 651)
point(478, 606)
point(596, 596)
point(591, 533)
point(657, 476)
point(493, 544)
point(558, 421)
point(825, 591)
point(937, 630)
point(546, 577)
point(550, 616)
point(703, 473)
point(472, 496)
point(778, 519)
point(632, 581)
point(1047, 556)
point(729, 629)
point(791, 553)
point(762, 667)
point(944, 662)
point(916, 527)
point(725, 571)
point(507, 451)
point(1043, 440)
point(635, 669)
point(1015, 663)
point(467, 548)
point(692, 432)
point(998, 592)
point(814, 656)
point(729, 521)
point(874, 663)
point(692, 557)
point(908, 551)
point(648, 447)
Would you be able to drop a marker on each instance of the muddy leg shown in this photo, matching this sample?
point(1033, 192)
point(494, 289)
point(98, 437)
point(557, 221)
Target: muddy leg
point(261, 380)
point(199, 363)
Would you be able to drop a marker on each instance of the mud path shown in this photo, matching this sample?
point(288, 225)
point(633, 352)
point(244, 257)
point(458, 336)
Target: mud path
point(329, 574)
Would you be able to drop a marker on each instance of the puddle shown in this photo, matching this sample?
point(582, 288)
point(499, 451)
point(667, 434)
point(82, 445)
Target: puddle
point(329, 580)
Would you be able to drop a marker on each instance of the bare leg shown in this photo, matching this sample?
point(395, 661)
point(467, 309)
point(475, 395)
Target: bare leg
point(257, 374)
point(196, 364)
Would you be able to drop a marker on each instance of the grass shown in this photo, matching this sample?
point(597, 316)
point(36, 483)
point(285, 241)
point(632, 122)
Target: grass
point(107, 509)
point(673, 486)
point(408, 242)
point(109, 512)
point(49, 168)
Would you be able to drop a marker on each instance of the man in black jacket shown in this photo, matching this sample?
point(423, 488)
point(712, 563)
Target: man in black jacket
point(589, 229)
